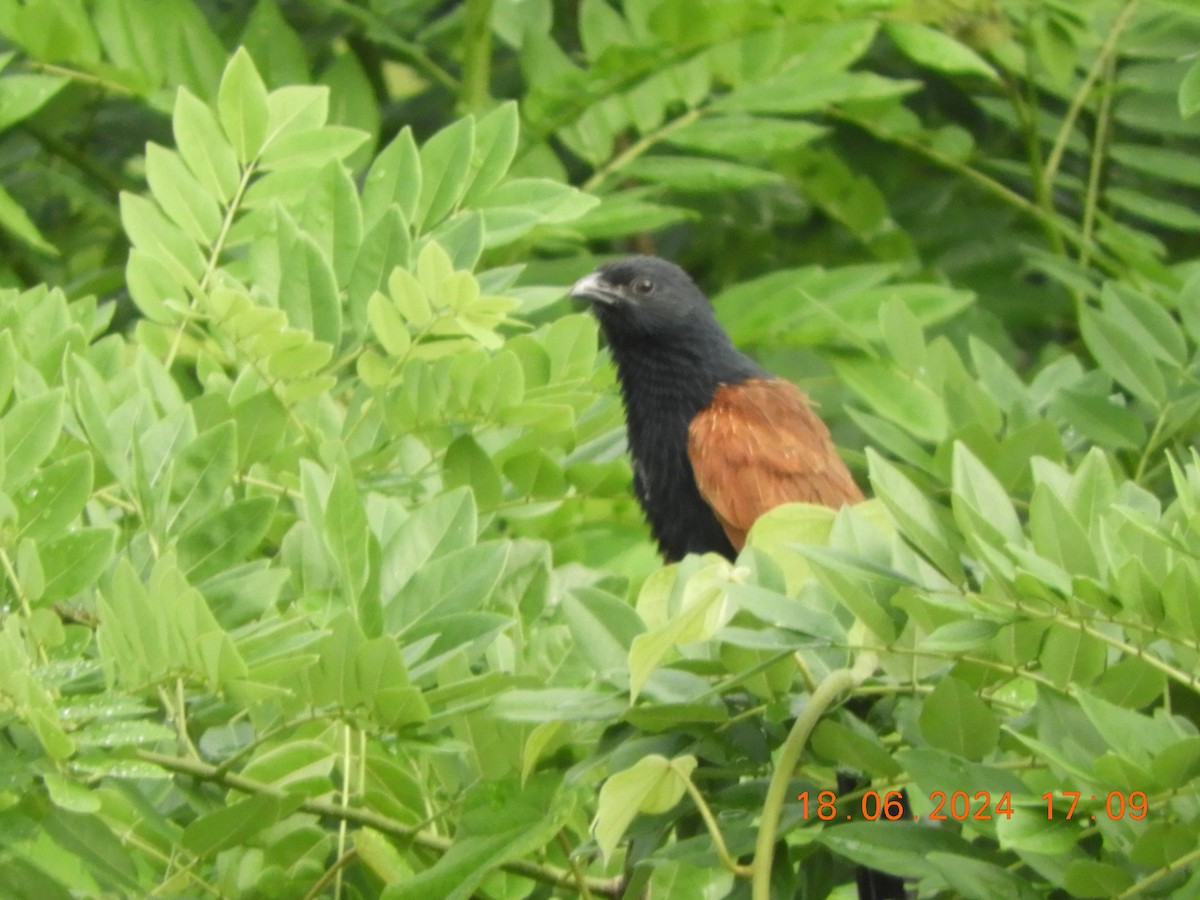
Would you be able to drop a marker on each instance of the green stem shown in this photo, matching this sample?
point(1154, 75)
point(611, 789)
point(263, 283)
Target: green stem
point(383, 35)
point(112, 87)
point(1179, 864)
point(1091, 200)
point(1102, 60)
point(474, 91)
point(714, 831)
point(543, 874)
point(214, 257)
point(988, 184)
point(11, 572)
point(835, 683)
point(637, 148)
point(343, 825)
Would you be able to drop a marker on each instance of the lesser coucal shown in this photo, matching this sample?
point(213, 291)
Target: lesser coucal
point(715, 439)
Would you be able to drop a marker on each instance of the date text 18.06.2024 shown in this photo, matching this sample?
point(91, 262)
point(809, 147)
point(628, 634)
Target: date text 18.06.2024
point(960, 806)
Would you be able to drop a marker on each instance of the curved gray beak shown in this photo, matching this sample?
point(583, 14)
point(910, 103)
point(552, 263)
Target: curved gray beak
point(594, 289)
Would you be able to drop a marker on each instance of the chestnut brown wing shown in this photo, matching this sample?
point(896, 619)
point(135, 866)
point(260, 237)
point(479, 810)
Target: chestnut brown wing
point(759, 444)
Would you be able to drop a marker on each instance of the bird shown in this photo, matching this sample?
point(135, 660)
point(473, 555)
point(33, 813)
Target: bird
point(715, 439)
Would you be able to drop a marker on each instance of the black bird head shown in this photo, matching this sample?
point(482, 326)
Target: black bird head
point(661, 328)
point(644, 299)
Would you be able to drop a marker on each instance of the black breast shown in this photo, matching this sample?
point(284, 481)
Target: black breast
point(663, 391)
point(680, 520)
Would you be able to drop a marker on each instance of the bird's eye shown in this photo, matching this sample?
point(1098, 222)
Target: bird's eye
point(642, 285)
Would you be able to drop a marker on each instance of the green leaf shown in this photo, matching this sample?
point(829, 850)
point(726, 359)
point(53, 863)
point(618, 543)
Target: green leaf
point(308, 291)
point(496, 136)
point(261, 425)
point(384, 681)
point(312, 149)
point(501, 823)
point(153, 287)
point(347, 535)
point(445, 172)
point(296, 109)
point(466, 464)
point(332, 216)
point(743, 136)
point(953, 718)
point(54, 497)
point(1155, 209)
point(558, 704)
point(459, 582)
point(385, 247)
point(654, 784)
point(30, 429)
point(74, 561)
point(692, 609)
point(1090, 878)
point(937, 50)
point(926, 526)
point(70, 796)
point(242, 107)
point(276, 47)
point(1058, 536)
point(203, 470)
point(862, 589)
point(975, 879)
point(1125, 356)
point(1068, 656)
point(1189, 91)
point(15, 220)
point(535, 474)
point(853, 749)
point(234, 823)
point(700, 175)
point(185, 201)
point(1101, 419)
point(92, 846)
point(439, 526)
point(8, 367)
point(803, 91)
point(388, 326)
point(393, 179)
point(981, 505)
point(151, 232)
point(895, 396)
point(603, 627)
point(299, 766)
point(225, 537)
point(1160, 162)
point(23, 95)
point(1148, 321)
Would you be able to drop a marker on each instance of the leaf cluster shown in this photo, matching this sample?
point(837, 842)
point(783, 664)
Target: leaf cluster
point(319, 568)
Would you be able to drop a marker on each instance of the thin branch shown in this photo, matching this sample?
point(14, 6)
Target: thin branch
point(384, 36)
point(714, 831)
point(1101, 62)
point(214, 256)
point(474, 90)
point(640, 146)
point(835, 683)
point(1091, 200)
point(1179, 864)
point(541, 873)
point(112, 87)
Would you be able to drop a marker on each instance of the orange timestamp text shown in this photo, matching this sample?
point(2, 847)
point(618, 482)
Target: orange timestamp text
point(961, 806)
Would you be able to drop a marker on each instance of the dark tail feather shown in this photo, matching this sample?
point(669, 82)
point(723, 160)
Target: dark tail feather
point(873, 884)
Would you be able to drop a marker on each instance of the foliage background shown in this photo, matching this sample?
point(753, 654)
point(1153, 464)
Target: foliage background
point(321, 574)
